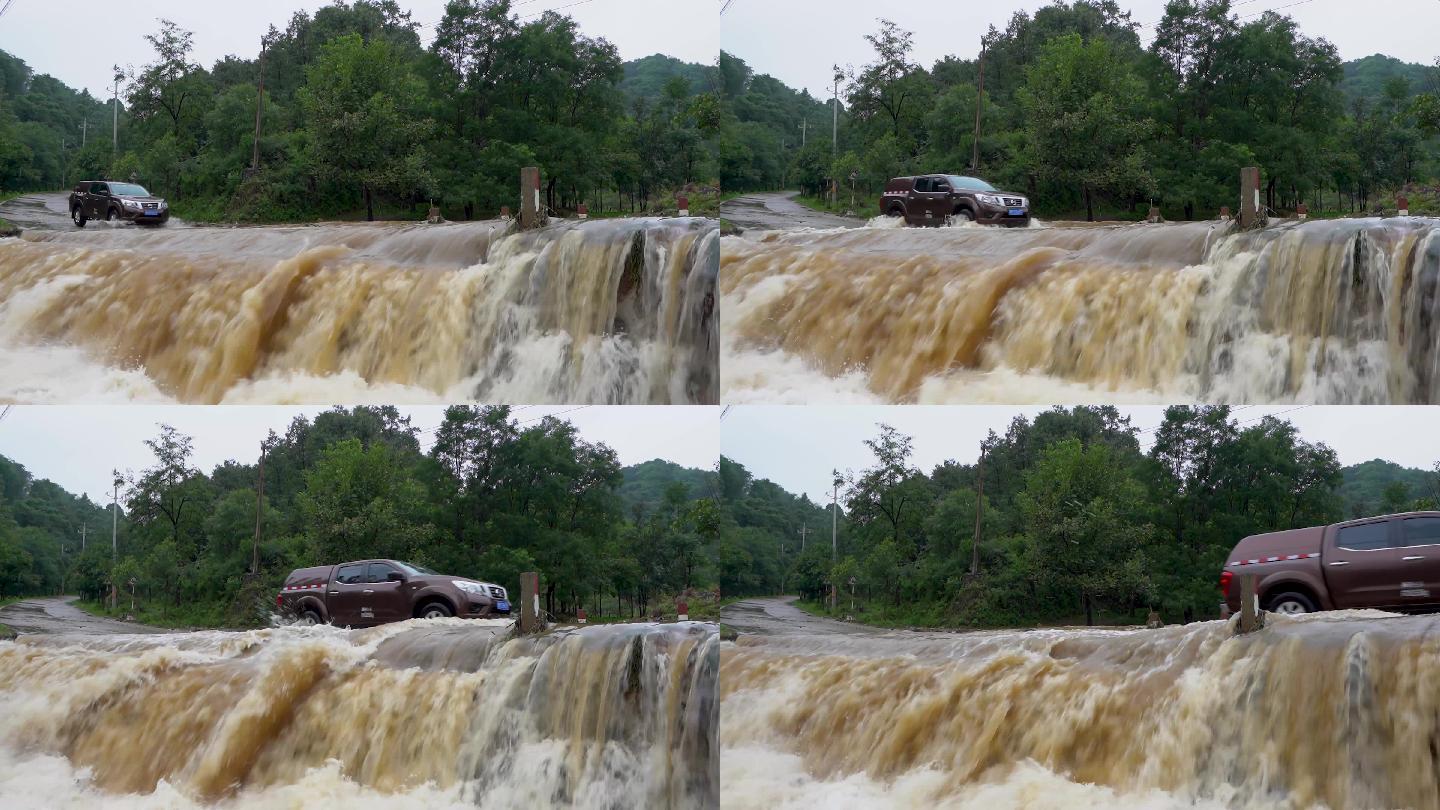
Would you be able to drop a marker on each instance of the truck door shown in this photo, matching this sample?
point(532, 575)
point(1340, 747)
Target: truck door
point(346, 596)
point(97, 201)
point(386, 591)
point(921, 206)
point(1364, 565)
point(1420, 565)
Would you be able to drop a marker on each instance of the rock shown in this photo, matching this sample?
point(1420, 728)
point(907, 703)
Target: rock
point(728, 633)
point(6, 634)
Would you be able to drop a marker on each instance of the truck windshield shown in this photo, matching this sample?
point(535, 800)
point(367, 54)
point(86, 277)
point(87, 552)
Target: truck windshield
point(972, 183)
point(412, 568)
point(128, 190)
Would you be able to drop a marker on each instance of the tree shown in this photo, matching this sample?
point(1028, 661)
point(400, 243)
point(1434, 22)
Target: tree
point(361, 105)
point(1082, 131)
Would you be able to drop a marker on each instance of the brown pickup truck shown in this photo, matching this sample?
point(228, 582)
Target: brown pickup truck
point(370, 592)
point(1390, 562)
point(943, 199)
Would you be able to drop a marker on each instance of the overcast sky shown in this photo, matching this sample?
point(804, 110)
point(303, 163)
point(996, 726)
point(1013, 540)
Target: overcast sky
point(77, 41)
point(77, 446)
point(797, 447)
point(798, 40)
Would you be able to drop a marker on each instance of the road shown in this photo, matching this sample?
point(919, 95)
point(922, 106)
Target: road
point(778, 616)
point(56, 615)
point(774, 211)
point(50, 211)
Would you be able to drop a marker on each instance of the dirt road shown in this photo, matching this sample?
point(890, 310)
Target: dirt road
point(778, 211)
point(55, 615)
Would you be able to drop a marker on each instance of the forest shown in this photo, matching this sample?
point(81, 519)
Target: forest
point(495, 495)
point(360, 119)
point(1090, 123)
point(1063, 520)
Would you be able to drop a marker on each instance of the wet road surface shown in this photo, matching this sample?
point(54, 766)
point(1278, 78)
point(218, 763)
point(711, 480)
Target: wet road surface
point(779, 616)
point(50, 211)
point(56, 615)
point(778, 211)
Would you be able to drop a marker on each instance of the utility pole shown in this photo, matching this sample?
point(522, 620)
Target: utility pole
point(834, 513)
point(259, 103)
point(804, 530)
point(83, 528)
point(115, 135)
point(259, 496)
point(114, 546)
point(84, 127)
point(835, 115)
point(979, 103)
point(804, 124)
point(979, 512)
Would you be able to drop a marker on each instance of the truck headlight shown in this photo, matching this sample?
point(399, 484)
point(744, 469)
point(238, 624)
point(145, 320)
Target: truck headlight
point(988, 199)
point(131, 204)
point(469, 587)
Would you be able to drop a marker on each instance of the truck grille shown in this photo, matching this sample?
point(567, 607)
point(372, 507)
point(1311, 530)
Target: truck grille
point(1014, 202)
point(498, 593)
point(151, 206)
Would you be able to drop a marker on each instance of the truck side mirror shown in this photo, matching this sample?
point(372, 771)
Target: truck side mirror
point(394, 576)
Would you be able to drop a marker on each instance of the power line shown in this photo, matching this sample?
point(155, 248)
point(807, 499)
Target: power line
point(556, 8)
point(1241, 16)
point(5, 7)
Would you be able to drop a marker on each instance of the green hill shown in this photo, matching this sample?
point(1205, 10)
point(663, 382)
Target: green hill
point(1365, 486)
point(645, 484)
point(646, 78)
point(1368, 77)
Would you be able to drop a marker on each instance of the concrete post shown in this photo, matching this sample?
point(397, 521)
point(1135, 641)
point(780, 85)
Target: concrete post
point(530, 215)
point(434, 217)
point(682, 611)
point(1403, 203)
point(582, 211)
point(684, 204)
point(1302, 211)
point(1251, 619)
point(1154, 216)
point(580, 615)
point(530, 602)
point(1250, 210)
point(1225, 213)
point(505, 212)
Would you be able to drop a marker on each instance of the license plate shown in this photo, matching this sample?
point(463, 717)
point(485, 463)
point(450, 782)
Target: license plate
point(1017, 212)
point(502, 605)
point(152, 213)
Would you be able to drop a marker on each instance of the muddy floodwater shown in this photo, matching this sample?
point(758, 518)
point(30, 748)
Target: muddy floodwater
point(1333, 710)
point(441, 713)
point(1339, 311)
point(602, 312)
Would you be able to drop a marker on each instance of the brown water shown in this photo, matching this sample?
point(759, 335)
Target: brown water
point(440, 713)
point(618, 311)
point(1334, 710)
point(1334, 311)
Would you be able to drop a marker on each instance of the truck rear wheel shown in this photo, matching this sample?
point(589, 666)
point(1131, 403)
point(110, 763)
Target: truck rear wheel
point(1290, 603)
point(436, 610)
point(308, 618)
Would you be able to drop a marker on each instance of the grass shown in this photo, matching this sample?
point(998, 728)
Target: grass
point(6, 631)
point(175, 617)
point(842, 206)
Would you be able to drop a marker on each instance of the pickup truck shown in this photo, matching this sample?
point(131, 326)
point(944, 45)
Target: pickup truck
point(944, 199)
point(370, 592)
point(1390, 562)
point(109, 200)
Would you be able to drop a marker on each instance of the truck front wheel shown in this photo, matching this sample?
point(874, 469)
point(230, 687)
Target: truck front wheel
point(436, 610)
point(1290, 603)
point(78, 217)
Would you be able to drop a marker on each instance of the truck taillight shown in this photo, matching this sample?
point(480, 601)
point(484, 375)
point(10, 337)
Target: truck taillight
point(1225, 577)
point(279, 600)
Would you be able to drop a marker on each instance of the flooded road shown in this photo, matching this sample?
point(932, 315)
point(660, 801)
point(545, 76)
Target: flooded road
point(1333, 311)
point(58, 615)
point(445, 713)
point(616, 311)
point(1336, 710)
point(779, 211)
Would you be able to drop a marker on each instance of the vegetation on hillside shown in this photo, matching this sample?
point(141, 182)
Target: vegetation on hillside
point(491, 498)
point(361, 119)
point(1085, 120)
point(1074, 522)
